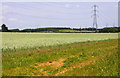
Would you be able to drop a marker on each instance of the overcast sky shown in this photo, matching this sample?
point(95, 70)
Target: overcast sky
point(52, 14)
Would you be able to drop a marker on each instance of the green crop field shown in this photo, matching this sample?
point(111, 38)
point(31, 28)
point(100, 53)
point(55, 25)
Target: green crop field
point(60, 54)
point(15, 41)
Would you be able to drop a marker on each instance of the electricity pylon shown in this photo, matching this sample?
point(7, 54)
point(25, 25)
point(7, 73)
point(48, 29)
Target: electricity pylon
point(95, 25)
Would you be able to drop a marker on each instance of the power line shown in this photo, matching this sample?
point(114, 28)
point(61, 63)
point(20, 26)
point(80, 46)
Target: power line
point(106, 17)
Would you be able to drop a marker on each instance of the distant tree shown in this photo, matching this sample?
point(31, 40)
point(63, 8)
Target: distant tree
point(110, 30)
point(4, 28)
point(14, 30)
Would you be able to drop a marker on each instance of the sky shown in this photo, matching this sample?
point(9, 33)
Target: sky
point(24, 15)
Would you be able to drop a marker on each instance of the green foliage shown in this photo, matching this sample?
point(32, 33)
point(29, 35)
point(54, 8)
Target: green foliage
point(14, 30)
point(4, 28)
point(110, 30)
point(43, 29)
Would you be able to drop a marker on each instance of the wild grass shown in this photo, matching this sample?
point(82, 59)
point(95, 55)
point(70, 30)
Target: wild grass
point(44, 61)
point(104, 66)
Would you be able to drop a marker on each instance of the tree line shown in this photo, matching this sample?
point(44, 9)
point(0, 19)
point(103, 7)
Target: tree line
point(4, 28)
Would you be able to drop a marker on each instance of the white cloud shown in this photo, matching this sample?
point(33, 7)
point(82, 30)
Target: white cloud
point(2, 17)
point(12, 19)
point(67, 5)
point(20, 21)
point(78, 6)
point(5, 9)
point(15, 20)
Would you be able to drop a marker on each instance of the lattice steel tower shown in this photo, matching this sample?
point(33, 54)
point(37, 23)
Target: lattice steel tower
point(95, 25)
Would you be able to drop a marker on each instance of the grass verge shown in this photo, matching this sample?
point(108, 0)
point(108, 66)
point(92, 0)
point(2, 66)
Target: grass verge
point(53, 60)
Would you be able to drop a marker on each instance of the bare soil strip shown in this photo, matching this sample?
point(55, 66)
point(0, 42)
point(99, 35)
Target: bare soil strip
point(83, 64)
